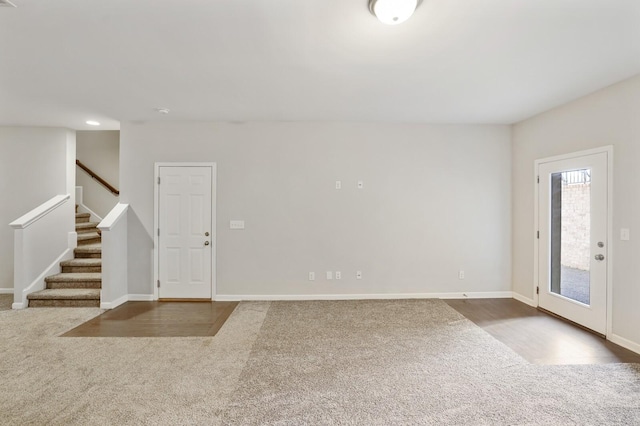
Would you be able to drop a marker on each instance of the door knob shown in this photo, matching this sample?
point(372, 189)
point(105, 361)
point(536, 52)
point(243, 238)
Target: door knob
point(206, 234)
point(206, 243)
point(599, 257)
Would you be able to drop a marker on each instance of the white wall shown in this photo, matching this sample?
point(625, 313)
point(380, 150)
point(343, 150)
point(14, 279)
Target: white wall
point(435, 199)
point(43, 238)
point(35, 165)
point(608, 117)
point(100, 151)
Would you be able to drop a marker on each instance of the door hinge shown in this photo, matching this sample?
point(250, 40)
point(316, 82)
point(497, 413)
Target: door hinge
point(158, 283)
point(158, 180)
point(158, 232)
point(537, 234)
point(537, 288)
point(538, 179)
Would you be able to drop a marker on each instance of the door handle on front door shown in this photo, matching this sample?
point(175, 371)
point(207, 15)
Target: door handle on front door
point(599, 257)
point(206, 243)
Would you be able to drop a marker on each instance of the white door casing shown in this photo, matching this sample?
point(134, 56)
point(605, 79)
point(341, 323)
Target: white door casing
point(185, 240)
point(593, 314)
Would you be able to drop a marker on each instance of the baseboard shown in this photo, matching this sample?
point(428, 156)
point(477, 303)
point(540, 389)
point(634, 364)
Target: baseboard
point(140, 297)
point(6, 291)
point(119, 301)
point(625, 343)
point(477, 295)
point(127, 298)
point(524, 300)
point(274, 297)
point(17, 306)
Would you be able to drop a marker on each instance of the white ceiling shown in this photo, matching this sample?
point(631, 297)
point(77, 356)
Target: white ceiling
point(455, 61)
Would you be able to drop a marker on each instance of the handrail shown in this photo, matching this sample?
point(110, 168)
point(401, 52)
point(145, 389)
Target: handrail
point(113, 217)
point(25, 220)
point(98, 178)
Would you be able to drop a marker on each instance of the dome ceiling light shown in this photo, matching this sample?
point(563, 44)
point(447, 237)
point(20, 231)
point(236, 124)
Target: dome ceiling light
point(393, 12)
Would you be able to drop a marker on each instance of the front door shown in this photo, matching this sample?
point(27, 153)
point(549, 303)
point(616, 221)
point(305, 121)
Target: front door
point(185, 232)
point(573, 229)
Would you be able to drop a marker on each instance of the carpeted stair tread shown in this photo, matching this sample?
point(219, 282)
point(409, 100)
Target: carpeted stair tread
point(66, 294)
point(86, 227)
point(75, 276)
point(89, 248)
point(82, 265)
point(82, 262)
point(82, 217)
point(88, 236)
point(75, 280)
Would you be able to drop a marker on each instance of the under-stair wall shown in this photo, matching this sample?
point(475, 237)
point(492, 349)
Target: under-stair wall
point(42, 239)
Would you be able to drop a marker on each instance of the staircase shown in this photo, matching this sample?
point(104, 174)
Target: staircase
point(79, 283)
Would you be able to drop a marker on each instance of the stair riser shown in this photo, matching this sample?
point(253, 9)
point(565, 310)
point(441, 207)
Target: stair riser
point(70, 269)
point(74, 284)
point(82, 219)
point(87, 242)
point(88, 255)
point(64, 303)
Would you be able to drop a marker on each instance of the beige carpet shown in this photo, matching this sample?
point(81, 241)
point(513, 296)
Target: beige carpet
point(6, 300)
point(409, 363)
point(117, 381)
point(352, 363)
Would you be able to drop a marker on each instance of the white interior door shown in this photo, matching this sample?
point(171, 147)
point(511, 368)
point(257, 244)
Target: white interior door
point(573, 246)
point(185, 232)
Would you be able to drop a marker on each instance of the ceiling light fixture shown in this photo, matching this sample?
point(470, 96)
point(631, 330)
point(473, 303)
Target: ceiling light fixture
point(393, 12)
point(162, 110)
point(92, 123)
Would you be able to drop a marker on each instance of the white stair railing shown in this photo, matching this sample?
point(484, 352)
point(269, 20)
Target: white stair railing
point(42, 239)
point(114, 257)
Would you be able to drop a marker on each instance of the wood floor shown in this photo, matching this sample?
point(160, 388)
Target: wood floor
point(158, 319)
point(538, 337)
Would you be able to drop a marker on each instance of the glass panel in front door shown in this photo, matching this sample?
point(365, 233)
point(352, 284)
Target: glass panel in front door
point(571, 234)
